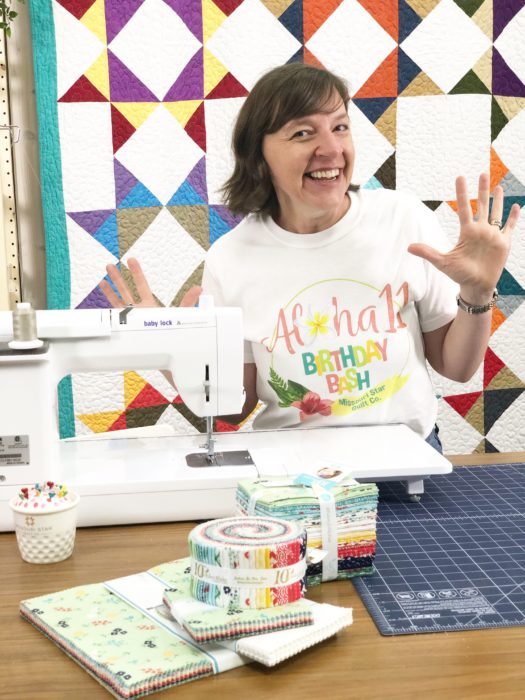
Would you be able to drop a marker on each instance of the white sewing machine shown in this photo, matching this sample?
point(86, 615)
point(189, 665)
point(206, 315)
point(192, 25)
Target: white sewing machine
point(130, 478)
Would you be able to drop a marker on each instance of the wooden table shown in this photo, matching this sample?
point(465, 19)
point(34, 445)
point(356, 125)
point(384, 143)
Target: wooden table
point(357, 663)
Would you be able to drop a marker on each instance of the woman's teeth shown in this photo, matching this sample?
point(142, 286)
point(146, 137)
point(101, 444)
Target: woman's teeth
point(324, 174)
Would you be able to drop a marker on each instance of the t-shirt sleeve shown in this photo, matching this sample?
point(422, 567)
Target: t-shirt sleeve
point(438, 306)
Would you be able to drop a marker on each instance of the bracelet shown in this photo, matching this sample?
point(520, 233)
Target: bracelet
point(470, 309)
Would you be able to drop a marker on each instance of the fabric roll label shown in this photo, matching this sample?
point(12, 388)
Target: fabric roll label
point(253, 578)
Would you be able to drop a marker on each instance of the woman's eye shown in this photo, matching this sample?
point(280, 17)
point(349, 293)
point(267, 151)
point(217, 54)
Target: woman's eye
point(342, 127)
point(300, 134)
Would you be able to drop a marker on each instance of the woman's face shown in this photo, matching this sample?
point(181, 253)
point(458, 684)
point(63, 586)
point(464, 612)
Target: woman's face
point(311, 161)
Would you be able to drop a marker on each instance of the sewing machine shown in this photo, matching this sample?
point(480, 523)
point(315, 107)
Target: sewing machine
point(153, 475)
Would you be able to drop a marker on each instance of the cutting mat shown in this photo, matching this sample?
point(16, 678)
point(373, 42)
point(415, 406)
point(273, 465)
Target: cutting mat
point(456, 560)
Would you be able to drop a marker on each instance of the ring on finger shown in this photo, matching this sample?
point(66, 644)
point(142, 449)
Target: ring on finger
point(496, 222)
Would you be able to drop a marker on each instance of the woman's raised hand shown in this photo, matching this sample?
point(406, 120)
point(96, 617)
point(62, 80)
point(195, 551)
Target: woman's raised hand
point(478, 258)
point(124, 295)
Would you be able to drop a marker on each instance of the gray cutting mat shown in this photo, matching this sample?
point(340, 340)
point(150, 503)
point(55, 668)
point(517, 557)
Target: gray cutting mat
point(454, 561)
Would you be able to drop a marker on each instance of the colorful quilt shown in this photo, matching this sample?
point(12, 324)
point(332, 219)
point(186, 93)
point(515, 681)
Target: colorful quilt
point(136, 99)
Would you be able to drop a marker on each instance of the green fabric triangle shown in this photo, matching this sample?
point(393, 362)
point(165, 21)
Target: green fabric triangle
point(469, 7)
point(497, 120)
point(470, 83)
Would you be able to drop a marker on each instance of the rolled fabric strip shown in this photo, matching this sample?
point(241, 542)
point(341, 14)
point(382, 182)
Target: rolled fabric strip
point(247, 562)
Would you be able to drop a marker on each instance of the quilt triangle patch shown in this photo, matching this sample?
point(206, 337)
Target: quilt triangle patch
point(193, 190)
point(469, 7)
point(310, 59)
point(99, 422)
point(141, 417)
point(124, 85)
point(228, 86)
point(190, 13)
point(407, 70)
point(423, 7)
point(148, 396)
point(506, 379)
point(182, 110)
point(432, 204)
point(498, 169)
point(77, 7)
point(196, 127)
point(408, 20)
point(497, 318)
point(131, 224)
point(136, 112)
point(194, 220)
point(214, 71)
point(422, 85)
point(462, 403)
point(496, 403)
point(483, 69)
point(133, 385)
point(83, 90)
point(512, 187)
point(475, 416)
point(315, 14)
point(484, 18)
point(95, 20)
point(507, 284)
point(222, 426)
point(118, 14)
point(292, 19)
point(122, 129)
point(385, 13)
point(98, 73)
point(386, 174)
point(228, 6)
point(485, 447)
point(504, 80)
point(96, 299)
point(139, 197)
point(212, 18)
point(491, 366)
point(387, 123)
point(510, 106)
point(196, 421)
point(509, 303)
point(383, 81)
point(119, 424)
point(498, 119)
point(190, 82)
point(504, 11)
point(277, 7)
point(469, 84)
point(90, 221)
point(373, 107)
point(107, 236)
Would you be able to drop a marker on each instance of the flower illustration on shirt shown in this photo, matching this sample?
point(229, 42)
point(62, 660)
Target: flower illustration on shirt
point(311, 404)
point(316, 324)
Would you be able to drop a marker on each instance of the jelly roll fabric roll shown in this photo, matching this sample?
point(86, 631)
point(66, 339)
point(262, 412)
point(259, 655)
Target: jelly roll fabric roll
point(243, 563)
point(339, 517)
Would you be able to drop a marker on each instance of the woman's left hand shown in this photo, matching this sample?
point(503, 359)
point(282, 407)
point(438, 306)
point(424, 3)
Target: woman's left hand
point(478, 258)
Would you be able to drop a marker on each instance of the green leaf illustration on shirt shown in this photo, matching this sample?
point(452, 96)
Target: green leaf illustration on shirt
point(287, 392)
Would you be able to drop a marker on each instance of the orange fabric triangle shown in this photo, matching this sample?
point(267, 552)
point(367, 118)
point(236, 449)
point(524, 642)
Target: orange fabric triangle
point(229, 86)
point(473, 204)
point(491, 367)
point(149, 396)
point(310, 59)
point(196, 127)
point(497, 319)
point(83, 91)
point(498, 169)
point(463, 403)
point(221, 426)
point(315, 14)
point(119, 424)
point(383, 82)
point(386, 14)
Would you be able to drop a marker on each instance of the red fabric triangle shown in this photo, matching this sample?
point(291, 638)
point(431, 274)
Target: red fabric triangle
point(221, 426)
point(177, 401)
point(227, 87)
point(119, 424)
point(310, 59)
point(385, 13)
point(149, 396)
point(383, 81)
point(463, 403)
point(78, 8)
point(196, 127)
point(83, 91)
point(122, 129)
point(492, 366)
point(315, 14)
point(228, 6)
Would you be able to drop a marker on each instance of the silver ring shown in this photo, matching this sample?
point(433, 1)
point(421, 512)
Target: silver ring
point(496, 222)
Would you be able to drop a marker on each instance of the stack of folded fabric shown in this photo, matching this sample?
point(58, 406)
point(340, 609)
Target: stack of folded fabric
point(339, 517)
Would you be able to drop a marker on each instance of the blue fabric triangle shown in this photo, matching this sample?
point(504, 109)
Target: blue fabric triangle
point(373, 107)
point(139, 196)
point(508, 285)
point(218, 227)
point(186, 195)
point(107, 235)
point(406, 70)
point(292, 19)
point(373, 184)
point(408, 20)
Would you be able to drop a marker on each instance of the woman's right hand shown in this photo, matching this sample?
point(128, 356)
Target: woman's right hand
point(124, 295)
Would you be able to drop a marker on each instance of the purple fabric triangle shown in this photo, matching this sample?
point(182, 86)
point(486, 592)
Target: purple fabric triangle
point(90, 221)
point(504, 81)
point(124, 86)
point(124, 181)
point(190, 13)
point(190, 83)
point(94, 300)
point(118, 14)
point(197, 179)
point(503, 11)
point(226, 215)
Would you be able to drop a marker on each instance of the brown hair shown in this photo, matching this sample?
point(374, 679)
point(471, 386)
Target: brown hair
point(287, 92)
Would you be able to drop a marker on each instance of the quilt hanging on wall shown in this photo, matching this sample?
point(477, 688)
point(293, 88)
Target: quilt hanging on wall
point(136, 99)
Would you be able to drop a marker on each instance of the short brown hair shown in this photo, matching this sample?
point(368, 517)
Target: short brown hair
point(287, 92)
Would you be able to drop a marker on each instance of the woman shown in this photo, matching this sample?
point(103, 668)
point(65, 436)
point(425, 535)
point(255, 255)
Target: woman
point(343, 291)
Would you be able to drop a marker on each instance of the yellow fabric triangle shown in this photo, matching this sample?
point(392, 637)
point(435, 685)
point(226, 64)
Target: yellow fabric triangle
point(95, 20)
point(423, 7)
point(421, 85)
point(212, 18)
point(505, 379)
point(214, 71)
point(483, 17)
point(136, 112)
point(133, 385)
point(387, 123)
point(483, 69)
point(277, 7)
point(99, 422)
point(476, 416)
point(510, 106)
point(182, 111)
point(98, 74)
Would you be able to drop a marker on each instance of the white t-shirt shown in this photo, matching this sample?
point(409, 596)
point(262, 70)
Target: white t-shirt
point(333, 320)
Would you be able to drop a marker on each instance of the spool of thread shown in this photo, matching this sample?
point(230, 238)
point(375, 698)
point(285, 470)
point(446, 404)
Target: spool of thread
point(24, 328)
point(247, 562)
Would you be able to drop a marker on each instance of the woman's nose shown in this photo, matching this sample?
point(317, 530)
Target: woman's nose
point(328, 144)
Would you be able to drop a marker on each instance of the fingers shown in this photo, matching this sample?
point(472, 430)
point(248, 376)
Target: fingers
point(110, 295)
point(122, 287)
point(141, 283)
point(482, 213)
point(427, 253)
point(464, 209)
point(496, 212)
point(191, 296)
point(512, 218)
